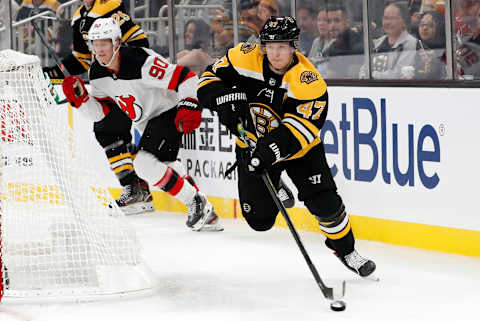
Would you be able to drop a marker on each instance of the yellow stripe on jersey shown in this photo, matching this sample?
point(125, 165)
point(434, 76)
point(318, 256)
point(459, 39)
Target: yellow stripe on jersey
point(309, 130)
point(114, 159)
point(130, 32)
point(208, 74)
point(82, 55)
point(301, 139)
point(206, 82)
point(140, 36)
point(100, 8)
point(304, 81)
point(117, 170)
point(247, 56)
point(240, 142)
point(206, 78)
point(338, 235)
point(84, 64)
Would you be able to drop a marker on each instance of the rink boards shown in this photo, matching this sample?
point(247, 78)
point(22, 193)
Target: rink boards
point(405, 161)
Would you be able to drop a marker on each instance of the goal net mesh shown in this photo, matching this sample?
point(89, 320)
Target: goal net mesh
point(62, 234)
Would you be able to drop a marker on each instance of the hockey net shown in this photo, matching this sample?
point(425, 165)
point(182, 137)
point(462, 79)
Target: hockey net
point(62, 235)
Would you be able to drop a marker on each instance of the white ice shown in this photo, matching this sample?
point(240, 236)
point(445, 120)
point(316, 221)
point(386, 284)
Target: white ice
point(243, 275)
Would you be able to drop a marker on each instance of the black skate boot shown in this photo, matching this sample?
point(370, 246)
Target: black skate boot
point(135, 198)
point(357, 263)
point(285, 195)
point(201, 215)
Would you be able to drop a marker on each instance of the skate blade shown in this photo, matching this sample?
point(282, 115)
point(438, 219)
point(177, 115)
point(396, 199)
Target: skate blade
point(209, 228)
point(137, 208)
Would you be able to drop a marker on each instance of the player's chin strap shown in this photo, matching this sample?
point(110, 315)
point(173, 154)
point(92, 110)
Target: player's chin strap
point(326, 291)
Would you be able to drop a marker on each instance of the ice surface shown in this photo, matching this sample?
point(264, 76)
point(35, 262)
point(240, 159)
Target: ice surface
point(243, 275)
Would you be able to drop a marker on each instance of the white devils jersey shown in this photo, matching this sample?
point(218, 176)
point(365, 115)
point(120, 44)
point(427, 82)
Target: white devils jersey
point(468, 56)
point(145, 86)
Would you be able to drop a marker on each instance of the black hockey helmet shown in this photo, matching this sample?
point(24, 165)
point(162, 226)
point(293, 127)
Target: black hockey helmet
point(280, 29)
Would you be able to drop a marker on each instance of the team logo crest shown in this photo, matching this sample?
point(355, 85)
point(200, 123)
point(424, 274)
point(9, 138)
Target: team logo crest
point(308, 77)
point(247, 208)
point(272, 24)
point(247, 47)
point(128, 105)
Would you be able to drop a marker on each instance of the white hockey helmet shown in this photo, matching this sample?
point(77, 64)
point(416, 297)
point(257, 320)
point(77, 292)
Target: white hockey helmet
point(105, 28)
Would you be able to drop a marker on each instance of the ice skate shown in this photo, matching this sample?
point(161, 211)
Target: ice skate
point(201, 215)
point(285, 195)
point(135, 198)
point(358, 264)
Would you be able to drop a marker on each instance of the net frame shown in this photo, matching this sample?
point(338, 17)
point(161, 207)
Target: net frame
point(62, 236)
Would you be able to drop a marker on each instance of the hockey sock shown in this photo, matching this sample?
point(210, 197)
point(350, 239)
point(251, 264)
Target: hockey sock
point(164, 177)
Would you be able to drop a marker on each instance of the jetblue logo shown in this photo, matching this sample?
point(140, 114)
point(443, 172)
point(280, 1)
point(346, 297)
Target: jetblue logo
point(380, 147)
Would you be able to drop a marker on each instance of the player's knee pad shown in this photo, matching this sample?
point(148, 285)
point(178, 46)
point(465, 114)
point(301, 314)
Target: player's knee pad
point(120, 158)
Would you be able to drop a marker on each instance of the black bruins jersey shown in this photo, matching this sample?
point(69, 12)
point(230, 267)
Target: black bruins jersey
point(291, 107)
point(80, 59)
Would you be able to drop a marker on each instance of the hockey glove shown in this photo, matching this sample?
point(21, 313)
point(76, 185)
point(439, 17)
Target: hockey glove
point(74, 90)
point(53, 72)
point(189, 115)
point(261, 158)
point(231, 107)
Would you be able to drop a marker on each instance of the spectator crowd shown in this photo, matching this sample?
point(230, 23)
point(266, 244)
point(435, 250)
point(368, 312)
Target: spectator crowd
point(407, 37)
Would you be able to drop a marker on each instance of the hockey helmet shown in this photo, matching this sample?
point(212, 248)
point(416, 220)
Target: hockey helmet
point(105, 28)
point(280, 29)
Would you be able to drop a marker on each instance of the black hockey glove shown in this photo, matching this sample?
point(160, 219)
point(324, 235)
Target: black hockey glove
point(53, 72)
point(231, 107)
point(262, 157)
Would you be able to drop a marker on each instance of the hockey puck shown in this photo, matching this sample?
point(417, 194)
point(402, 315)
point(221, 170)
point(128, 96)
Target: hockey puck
point(337, 305)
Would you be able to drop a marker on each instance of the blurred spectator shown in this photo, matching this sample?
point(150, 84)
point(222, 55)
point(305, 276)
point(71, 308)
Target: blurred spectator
point(266, 9)
point(5, 11)
point(346, 51)
point(468, 51)
point(30, 7)
point(5, 21)
point(431, 59)
point(64, 39)
point(394, 53)
point(196, 34)
point(250, 19)
point(317, 54)
point(307, 22)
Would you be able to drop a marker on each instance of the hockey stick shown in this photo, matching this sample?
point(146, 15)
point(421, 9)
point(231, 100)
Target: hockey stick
point(327, 292)
point(55, 57)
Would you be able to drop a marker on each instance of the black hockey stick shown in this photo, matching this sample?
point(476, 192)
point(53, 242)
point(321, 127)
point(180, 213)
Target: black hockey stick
point(55, 57)
point(327, 292)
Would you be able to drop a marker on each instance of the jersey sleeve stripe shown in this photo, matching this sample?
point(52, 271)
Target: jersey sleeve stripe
point(130, 32)
point(82, 55)
point(140, 36)
point(311, 127)
point(301, 139)
point(207, 81)
point(300, 127)
point(173, 84)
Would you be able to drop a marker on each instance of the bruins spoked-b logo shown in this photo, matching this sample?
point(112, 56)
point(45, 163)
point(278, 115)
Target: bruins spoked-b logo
point(308, 77)
point(247, 47)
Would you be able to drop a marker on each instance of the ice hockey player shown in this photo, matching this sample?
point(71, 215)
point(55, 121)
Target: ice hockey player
point(113, 131)
point(161, 100)
point(282, 102)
